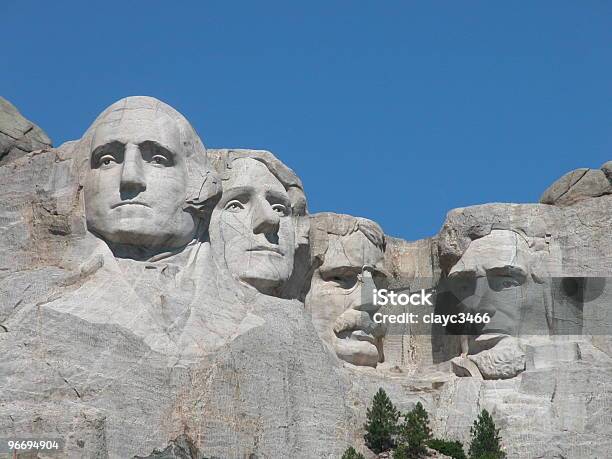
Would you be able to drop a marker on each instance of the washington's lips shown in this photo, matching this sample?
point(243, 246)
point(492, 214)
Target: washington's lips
point(265, 248)
point(127, 203)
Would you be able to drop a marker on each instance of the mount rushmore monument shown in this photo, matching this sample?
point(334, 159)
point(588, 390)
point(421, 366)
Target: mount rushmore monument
point(153, 289)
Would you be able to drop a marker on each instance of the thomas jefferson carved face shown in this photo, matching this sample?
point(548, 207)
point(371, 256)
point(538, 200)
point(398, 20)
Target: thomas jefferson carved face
point(137, 182)
point(252, 230)
point(338, 298)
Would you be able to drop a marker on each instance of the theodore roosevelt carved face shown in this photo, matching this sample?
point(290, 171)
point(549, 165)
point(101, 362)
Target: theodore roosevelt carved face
point(137, 179)
point(348, 254)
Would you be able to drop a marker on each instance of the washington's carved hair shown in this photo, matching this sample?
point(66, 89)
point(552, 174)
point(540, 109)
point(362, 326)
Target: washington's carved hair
point(202, 185)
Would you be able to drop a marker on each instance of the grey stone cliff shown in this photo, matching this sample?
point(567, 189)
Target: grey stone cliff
point(162, 299)
point(18, 136)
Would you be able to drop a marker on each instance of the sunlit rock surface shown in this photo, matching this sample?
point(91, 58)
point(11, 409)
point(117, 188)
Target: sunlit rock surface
point(196, 341)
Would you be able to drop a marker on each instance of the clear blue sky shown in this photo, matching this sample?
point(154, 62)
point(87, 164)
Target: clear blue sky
point(397, 111)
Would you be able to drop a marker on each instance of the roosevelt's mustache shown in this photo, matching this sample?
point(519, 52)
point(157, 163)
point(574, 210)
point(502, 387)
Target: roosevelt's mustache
point(352, 319)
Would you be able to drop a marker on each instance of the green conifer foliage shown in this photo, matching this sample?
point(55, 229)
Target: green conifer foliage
point(381, 424)
point(413, 434)
point(350, 453)
point(486, 442)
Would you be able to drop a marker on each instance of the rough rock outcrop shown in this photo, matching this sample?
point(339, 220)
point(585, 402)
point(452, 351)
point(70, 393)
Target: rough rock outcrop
point(18, 136)
point(578, 185)
point(158, 299)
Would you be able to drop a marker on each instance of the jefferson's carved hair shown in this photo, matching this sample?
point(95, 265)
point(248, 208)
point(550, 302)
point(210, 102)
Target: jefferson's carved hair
point(221, 160)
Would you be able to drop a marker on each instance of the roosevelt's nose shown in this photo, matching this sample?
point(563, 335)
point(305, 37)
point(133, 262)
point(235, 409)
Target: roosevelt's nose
point(265, 219)
point(366, 294)
point(132, 174)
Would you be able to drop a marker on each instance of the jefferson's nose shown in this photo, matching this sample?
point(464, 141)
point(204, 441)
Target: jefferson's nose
point(265, 220)
point(132, 174)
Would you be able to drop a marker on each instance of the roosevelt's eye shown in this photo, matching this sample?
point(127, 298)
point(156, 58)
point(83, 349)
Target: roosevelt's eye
point(107, 160)
point(345, 282)
point(344, 279)
point(161, 160)
point(234, 206)
point(279, 209)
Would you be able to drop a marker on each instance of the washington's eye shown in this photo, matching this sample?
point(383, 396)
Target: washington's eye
point(234, 206)
point(279, 209)
point(160, 159)
point(107, 160)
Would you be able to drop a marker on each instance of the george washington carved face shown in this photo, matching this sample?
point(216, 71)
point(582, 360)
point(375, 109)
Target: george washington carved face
point(137, 176)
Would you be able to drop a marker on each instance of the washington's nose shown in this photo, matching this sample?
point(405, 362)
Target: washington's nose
point(265, 220)
point(132, 174)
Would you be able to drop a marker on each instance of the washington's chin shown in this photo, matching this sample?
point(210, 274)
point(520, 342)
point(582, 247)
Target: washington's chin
point(356, 352)
point(142, 232)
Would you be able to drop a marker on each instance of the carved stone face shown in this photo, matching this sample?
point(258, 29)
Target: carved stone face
point(136, 186)
point(252, 231)
point(492, 276)
point(339, 299)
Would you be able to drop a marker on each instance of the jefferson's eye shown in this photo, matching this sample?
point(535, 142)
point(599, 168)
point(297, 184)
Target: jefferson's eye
point(234, 206)
point(107, 160)
point(160, 159)
point(279, 209)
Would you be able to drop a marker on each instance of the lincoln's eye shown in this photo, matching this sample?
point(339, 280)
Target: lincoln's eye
point(510, 283)
point(234, 206)
point(279, 209)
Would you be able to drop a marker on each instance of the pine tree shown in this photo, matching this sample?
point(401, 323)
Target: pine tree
point(485, 439)
point(450, 448)
point(381, 424)
point(350, 453)
point(413, 434)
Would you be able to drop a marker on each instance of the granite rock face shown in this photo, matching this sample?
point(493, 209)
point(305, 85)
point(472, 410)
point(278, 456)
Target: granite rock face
point(578, 185)
point(162, 299)
point(18, 136)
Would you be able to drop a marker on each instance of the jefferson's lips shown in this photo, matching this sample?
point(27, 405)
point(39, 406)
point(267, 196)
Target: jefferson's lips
point(125, 203)
point(265, 248)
